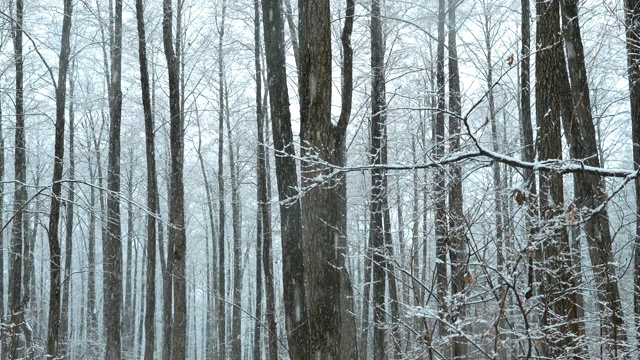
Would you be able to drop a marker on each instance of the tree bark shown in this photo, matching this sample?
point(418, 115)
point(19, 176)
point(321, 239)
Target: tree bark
point(553, 102)
point(377, 230)
point(589, 189)
point(632, 21)
point(295, 297)
point(65, 319)
point(457, 249)
point(221, 298)
point(324, 200)
point(56, 189)
point(440, 203)
point(176, 253)
point(152, 187)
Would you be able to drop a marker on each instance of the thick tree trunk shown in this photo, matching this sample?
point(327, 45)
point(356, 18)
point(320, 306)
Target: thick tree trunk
point(553, 102)
point(377, 231)
point(221, 298)
point(111, 245)
point(324, 201)
point(65, 319)
point(457, 248)
point(129, 315)
point(632, 21)
point(54, 217)
point(589, 189)
point(440, 203)
point(295, 298)
point(152, 187)
point(176, 252)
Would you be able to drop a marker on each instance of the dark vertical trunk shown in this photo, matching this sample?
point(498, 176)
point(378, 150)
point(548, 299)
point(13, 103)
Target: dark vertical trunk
point(553, 102)
point(236, 222)
point(92, 311)
point(457, 248)
point(295, 297)
point(64, 313)
point(111, 245)
point(440, 182)
point(2, 195)
point(129, 304)
point(324, 204)
point(152, 187)
point(377, 231)
point(54, 217)
point(221, 298)
point(589, 190)
point(261, 188)
point(632, 21)
point(176, 252)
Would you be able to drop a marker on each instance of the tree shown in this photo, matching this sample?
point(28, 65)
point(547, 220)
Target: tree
point(589, 190)
point(323, 203)
point(19, 194)
point(152, 186)
point(176, 253)
point(295, 297)
point(632, 21)
point(553, 103)
point(111, 245)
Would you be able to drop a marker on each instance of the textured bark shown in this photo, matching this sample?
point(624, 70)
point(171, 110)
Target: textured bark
point(65, 318)
point(377, 231)
point(152, 187)
point(221, 291)
point(632, 21)
point(440, 202)
point(2, 195)
point(92, 311)
point(553, 102)
point(324, 204)
point(295, 298)
point(54, 216)
point(263, 207)
point(457, 248)
point(128, 314)
point(176, 253)
point(589, 190)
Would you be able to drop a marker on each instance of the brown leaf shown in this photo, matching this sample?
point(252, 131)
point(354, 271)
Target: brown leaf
point(510, 60)
point(519, 196)
point(468, 278)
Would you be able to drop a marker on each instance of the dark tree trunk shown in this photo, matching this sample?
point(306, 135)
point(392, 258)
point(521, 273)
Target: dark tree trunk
point(589, 189)
point(295, 298)
point(440, 204)
point(54, 217)
point(262, 194)
point(632, 21)
point(129, 315)
point(2, 195)
point(324, 204)
point(553, 102)
point(176, 252)
point(111, 245)
point(65, 319)
point(92, 311)
point(377, 231)
point(221, 298)
point(152, 187)
point(457, 248)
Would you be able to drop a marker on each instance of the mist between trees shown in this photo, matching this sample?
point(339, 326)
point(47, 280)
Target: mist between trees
point(330, 179)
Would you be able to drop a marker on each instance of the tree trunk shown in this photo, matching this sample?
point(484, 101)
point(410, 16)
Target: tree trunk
point(589, 189)
point(553, 102)
point(111, 245)
point(92, 311)
point(129, 314)
point(54, 217)
point(65, 319)
point(457, 248)
point(262, 194)
point(324, 201)
point(377, 231)
point(176, 252)
point(221, 298)
point(295, 297)
point(440, 204)
point(632, 21)
point(152, 187)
